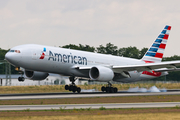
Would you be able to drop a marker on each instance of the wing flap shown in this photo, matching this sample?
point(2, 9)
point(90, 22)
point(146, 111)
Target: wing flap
point(167, 70)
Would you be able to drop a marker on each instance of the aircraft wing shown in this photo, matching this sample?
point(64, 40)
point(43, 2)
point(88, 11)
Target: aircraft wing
point(149, 66)
point(157, 67)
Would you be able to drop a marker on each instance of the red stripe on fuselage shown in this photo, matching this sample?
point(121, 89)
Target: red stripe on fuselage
point(156, 74)
point(148, 61)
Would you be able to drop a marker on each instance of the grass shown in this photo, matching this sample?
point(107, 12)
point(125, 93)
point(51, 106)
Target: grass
point(102, 113)
point(149, 116)
point(60, 88)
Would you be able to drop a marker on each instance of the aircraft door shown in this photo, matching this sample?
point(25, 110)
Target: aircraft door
point(34, 55)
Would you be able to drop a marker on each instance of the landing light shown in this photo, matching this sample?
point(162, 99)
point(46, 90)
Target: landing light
point(17, 69)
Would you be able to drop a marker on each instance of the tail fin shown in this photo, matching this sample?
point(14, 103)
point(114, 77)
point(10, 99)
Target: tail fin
point(156, 51)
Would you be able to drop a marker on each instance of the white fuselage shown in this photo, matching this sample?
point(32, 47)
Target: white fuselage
point(63, 61)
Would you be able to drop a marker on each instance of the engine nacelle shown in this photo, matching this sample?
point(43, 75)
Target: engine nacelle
point(101, 73)
point(35, 75)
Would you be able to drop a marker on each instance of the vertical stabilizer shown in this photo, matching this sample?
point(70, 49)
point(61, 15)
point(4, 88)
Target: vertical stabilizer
point(156, 51)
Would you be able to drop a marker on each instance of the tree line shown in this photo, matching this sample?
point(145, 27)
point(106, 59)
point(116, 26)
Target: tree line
point(109, 48)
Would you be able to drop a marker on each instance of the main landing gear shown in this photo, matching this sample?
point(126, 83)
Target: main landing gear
point(72, 87)
point(109, 88)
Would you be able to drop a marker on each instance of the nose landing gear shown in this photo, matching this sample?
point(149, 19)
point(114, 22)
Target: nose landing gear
point(21, 79)
point(21, 72)
point(109, 88)
point(72, 87)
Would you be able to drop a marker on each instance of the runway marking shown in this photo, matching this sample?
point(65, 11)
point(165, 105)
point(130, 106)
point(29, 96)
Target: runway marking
point(18, 97)
point(92, 106)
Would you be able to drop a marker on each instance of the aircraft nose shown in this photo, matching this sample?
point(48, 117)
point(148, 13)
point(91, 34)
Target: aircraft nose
point(12, 58)
point(8, 57)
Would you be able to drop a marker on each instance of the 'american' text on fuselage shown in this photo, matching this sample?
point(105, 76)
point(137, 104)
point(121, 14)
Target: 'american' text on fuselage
point(67, 58)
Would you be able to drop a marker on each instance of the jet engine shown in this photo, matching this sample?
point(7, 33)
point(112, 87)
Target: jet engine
point(35, 75)
point(101, 73)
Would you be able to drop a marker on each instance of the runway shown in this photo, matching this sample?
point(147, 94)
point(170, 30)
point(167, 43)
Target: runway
point(90, 106)
point(81, 95)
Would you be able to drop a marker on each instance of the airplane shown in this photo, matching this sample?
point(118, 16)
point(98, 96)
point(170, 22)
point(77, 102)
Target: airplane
point(40, 60)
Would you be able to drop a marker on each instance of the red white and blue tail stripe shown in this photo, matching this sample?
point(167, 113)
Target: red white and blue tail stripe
point(156, 51)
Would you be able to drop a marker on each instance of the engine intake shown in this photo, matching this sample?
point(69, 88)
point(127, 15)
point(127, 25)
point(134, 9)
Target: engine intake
point(101, 73)
point(35, 75)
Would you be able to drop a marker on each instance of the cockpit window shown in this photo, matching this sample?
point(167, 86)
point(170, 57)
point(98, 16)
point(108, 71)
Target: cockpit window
point(11, 51)
point(17, 51)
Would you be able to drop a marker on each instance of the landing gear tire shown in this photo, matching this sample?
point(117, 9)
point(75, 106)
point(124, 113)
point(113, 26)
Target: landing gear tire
point(115, 89)
point(109, 88)
point(78, 90)
point(66, 87)
point(103, 89)
point(21, 79)
point(72, 87)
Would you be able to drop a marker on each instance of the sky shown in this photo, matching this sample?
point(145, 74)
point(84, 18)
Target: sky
point(123, 23)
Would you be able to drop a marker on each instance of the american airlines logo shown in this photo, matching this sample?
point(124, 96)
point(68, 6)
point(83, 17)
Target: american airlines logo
point(67, 58)
point(43, 54)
